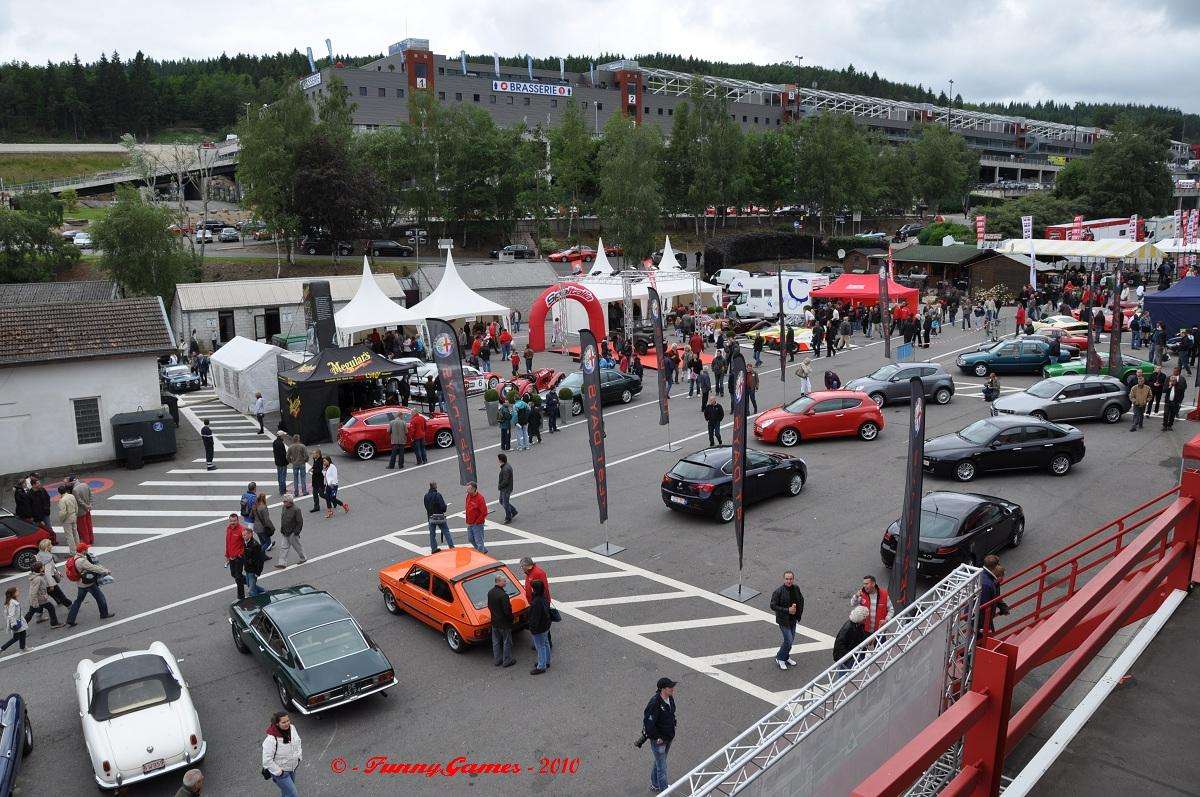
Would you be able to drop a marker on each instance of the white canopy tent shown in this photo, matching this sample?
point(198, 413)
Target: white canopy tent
point(668, 261)
point(1115, 249)
point(1175, 246)
point(601, 267)
point(671, 283)
point(243, 367)
point(452, 299)
point(370, 309)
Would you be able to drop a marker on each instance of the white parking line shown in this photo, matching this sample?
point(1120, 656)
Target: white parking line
point(152, 497)
point(617, 600)
point(158, 513)
point(223, 470)
point(595, 576)
point(558, 557)
point(721, 659)
point(686, 625)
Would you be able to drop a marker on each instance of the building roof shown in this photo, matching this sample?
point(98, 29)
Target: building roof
point(192, 296)
point(952, 255)
point(83, 330)
point(18, 294)
point(868, 250)
point(493, 276)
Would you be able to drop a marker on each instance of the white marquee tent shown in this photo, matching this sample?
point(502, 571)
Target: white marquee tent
point(674, 286)
point(452, 299)
point(1114, 249)
point(370, 309)
point(1176, 246)
point(242, 367)
point(601, 267)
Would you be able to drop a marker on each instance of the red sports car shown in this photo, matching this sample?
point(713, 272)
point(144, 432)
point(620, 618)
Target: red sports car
point(1127, 310)
point(19, 541)
point(573, 254)
point(1065, 337)
point(542, 380)
point(366, 433)
point(825, 413)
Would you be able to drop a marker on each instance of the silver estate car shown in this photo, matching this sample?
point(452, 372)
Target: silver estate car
point(890, 383)
point(1067, 398)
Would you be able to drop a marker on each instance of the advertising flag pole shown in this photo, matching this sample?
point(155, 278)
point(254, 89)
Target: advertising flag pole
point(737, 369)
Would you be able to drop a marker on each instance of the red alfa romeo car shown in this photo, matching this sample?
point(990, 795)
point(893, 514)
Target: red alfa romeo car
point(1127, 310)
point(543, 379)
point(366, 433)
point(825, 413)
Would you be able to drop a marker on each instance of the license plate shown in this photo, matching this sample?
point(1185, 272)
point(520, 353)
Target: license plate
point(150, 766)
point(676, 499)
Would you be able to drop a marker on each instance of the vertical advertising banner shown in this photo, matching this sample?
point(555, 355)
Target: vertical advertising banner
point(656, 319)
point(1132, 234)
point(737, 369)
point(885, 274)
point(1027, 227)
point(1027, 234)
point(980, 230)
point(1114, 338)
point(1077, 229)
point(318, 314)
point(903, 586)
point(589, 363)
point(783, 352)
point(448, 359)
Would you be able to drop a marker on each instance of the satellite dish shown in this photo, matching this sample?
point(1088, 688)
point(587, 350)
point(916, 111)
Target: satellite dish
point(841, 254)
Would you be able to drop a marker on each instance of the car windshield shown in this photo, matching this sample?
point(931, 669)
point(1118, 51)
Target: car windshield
point(800, 405)
point(885, 373)
point(687, 470)
point(134, 696)
point(177, 370)
point(477, 588)
point(327, 642)
point(573, 381)
point(1045, 389)
point(978, 433)
point(935, 526)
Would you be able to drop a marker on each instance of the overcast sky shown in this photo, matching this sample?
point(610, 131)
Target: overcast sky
point(1123, 50)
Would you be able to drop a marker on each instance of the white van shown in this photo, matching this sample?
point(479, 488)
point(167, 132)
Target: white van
point(727, 275)
point(756, 294)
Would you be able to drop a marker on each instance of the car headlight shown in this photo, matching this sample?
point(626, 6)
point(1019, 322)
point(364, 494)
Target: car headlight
point(962, 360)
point(767, 422)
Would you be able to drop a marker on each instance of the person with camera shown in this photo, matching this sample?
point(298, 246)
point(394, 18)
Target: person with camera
point(89, 574)
point(658, 726)
point(281, 754)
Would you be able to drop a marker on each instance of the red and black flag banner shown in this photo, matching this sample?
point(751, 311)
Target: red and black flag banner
point(1114, 338)
point(448, 359)
point(783, 352)
point(664, 397)
point(589, 363)
point(738, 376)
point(903, 586)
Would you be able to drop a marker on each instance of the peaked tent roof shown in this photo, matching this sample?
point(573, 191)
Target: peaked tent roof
point(601, 268)
point(371, 308)
point(453, 299)
point(865, 288)
point(240, 353)
point(668, 261)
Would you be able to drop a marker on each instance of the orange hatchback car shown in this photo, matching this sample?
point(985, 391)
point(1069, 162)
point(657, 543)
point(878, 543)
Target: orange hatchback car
point(448, 591)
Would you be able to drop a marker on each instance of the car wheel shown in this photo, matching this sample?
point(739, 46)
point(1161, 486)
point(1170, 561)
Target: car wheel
point(981, 369)
point(493, 383)
point(727, 510)
point(943, 395)
point(283, 695)
point(1018, 533)
point(796, 484)
point(374, 253)
point(25, 560)
point(1041, 416)
point(454, 639)
point(1045, 374)
point(444, 438)
point(789, 438)
point(626, 396)
point(1060, 465)
point(365, 450)
point(1112, 413)
point(576, 407)
point(878, 399)
point(312, 250)
point(964, 471)
point(237, 640)
point(389, 602)
point(28, 736)
point(868, 431)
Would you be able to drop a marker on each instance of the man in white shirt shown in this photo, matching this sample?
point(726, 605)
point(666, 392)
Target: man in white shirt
point(259, 409)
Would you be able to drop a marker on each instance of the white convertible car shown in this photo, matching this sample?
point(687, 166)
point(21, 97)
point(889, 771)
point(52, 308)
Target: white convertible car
point(138, 718)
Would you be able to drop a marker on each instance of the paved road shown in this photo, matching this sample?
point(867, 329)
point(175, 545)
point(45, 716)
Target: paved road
point(653, 610)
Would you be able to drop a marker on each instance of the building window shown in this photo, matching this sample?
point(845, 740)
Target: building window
point(599, 106)
point(458, 96)
point(670, 112)
point(441, 95)
point(492, 99)
point(646, 111)
point(382, 92)
point(476, 97)
point(87, 421)
point(362, 91)
point(526, 99)
point(743, 118)
point(441, 70)
point(553, 103)
point(510, 99)
point(399, 93)
point(660, 111)
point(756, 120)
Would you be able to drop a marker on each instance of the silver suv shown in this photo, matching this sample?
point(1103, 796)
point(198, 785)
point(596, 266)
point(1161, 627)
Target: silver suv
point(890, 383)
point(1065, 398)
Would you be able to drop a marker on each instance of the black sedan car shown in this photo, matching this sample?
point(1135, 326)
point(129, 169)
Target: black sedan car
point(16, 741)
point(958, 528)
point(518, 251)
point(614, 387)
point(382, 248)
point(1005, 442)
point(318, 656)
point(178, 379)
point(702, 483)
point(318, 245)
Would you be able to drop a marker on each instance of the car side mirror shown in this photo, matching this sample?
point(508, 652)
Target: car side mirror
point(810, 412)
point(993, 444)
point(1059, 397)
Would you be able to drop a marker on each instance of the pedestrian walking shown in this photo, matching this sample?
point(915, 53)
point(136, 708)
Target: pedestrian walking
point(789, 342)
point(297, 456)
point(83, 516)
point(206, 437)
point(991, 390)
point(234, 549)
point(714, 413)
point(14, 622)
point(506, 344)
point(788, 604)
point(804, 371)
point(279, 454)
point(264, 527)
point(202, 366)
point(1158, 383)
point(515, 360)
point(538, 620)
point(852, 634)
point(658, 725)
point(844, 331)
point(704, 385)
point(331, 489)
point(477, 512)
point(431, 394)
point(39, 599)
point(90, 573)
point(1139, 395)
point(878, 604)
point(552, 410)
point(253, 558)
point(504, 418)
point(670, 369)
point(259, 408)
point(752, 389)
point(528, 353)
point(417, 428)
point(719, 367)
point(521, 416)
point(193, 784)
point(316, 476)
point(758, 350)
point(282, 754)
point(435, 511)
point(249, 499)
point(505, 488)
point(818, 338)
point(989, 590)
point(68, 512)
point(1175, 391)
point(291, 523)
point(500, 609)
point(398, 437)
point(48, 567)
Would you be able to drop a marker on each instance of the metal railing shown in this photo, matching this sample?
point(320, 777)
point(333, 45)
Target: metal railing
point(114, 176)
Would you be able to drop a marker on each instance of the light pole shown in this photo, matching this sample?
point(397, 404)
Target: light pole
point(950, 110)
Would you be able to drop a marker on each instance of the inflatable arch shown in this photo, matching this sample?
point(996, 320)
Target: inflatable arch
point(568, 290)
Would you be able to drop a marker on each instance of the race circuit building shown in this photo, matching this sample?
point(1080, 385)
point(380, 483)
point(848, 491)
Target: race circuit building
point(381, 91)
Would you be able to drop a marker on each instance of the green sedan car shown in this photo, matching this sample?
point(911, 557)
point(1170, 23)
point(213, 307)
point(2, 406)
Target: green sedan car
point(318, 656)
point(1130, 366)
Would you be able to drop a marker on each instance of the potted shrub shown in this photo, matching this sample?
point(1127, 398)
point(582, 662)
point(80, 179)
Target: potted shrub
point(568, 403)
point(512, 395)
point(333, 418)
point(491, 402)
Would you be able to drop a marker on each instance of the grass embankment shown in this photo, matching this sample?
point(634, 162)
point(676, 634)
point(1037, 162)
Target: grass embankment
point(27, 167)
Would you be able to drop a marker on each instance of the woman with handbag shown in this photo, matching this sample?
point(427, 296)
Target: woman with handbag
point(539, 626)
point(331, 489)
point(15, 622)
point(281, 754)
point(263, 525)
point(45, 563)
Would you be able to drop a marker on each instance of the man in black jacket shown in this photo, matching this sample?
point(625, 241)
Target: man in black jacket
point(252, 561)
point(852, 634)
point(22, 501)
point(714, 413)
point(500, 608)
point(1176, 390)
point(279, 452)
point(788, 604)
point(658, 723)
point(435, 509)
point(39, 501)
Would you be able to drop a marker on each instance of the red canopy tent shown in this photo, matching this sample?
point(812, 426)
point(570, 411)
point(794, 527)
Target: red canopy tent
point(864, 288)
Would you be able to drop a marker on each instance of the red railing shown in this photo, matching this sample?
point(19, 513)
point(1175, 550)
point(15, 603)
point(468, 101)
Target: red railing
point(1134, 563)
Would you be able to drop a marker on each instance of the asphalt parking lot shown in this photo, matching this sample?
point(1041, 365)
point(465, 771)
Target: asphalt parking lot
point(652, 610)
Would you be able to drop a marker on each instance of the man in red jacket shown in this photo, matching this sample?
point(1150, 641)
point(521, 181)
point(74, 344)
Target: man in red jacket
point(234, 550)
point(879, 605)
point(477, 512)
point(416, 436)
point(534, 572)
point(696, 343)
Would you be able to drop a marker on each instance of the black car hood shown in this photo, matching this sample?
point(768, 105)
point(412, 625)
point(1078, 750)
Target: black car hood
point(948, 444)
point(342, 671)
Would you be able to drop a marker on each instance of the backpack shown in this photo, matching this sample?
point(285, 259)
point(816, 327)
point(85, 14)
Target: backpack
point(505, 413)
point(522, 416)
point(72, 570)
point(245, 507)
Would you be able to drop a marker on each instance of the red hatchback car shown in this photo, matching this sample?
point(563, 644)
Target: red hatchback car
point(19, 540)
point(366, 433)
point(825, 413)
